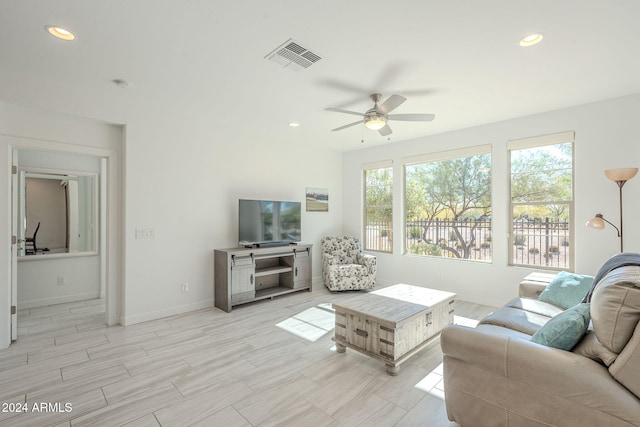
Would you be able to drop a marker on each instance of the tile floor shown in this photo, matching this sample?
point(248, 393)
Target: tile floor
point(270, 363)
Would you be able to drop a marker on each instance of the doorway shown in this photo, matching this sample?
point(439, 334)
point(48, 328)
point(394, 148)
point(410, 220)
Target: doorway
point(64, 272)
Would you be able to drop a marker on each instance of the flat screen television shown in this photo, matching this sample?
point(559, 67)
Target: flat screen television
point(268, 222)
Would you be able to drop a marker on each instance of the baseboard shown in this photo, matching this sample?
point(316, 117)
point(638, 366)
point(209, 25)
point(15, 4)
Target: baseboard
point(57, 300)
point(166, 312)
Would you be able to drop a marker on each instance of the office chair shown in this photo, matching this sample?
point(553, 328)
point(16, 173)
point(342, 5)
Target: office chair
point(31, 241)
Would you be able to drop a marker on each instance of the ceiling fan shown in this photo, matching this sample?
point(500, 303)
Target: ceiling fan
point(376, 117)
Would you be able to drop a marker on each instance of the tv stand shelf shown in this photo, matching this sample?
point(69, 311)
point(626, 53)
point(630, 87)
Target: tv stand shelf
point(272, 270)
point(243, 275)
point(271, 292)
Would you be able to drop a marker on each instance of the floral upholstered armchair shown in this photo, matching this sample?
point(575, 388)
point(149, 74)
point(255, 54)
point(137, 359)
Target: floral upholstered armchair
point(344, 266)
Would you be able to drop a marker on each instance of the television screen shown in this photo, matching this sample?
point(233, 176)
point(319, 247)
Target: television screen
point(268, 221)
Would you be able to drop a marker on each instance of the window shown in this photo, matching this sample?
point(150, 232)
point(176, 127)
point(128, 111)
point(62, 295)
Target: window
point(542, 201)
point(378, 208)
point(448, 204)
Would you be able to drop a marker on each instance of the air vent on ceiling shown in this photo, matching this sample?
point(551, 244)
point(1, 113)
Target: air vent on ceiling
point(293, 56)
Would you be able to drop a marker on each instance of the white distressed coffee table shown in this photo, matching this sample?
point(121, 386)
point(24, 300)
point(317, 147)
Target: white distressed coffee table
point(392, 323)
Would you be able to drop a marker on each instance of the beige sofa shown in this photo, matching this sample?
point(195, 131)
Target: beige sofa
point(494, 375)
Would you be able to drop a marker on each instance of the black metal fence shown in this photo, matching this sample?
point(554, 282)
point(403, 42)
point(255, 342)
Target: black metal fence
point(536, 242)
point(378, 236)
point(448, 238)
point(543, 242)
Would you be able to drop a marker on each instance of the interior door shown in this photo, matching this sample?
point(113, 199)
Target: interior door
point(17, 241)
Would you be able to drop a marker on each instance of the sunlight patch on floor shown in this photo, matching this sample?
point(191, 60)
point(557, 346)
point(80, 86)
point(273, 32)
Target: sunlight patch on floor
point(310, 324)
point(433, 383)
point(464, 321)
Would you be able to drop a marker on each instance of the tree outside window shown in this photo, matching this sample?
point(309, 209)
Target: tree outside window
point(448, 208)
point(378, 207)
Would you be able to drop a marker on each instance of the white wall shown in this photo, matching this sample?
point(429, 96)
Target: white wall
point(38, 283)
point(606, 136)
point(184, 178)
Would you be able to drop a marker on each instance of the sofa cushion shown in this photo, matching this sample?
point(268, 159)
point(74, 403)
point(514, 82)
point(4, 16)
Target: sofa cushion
point(499, 330)
point(535, 306)
point(626, 368)
point(516, 319)
point(564, 330)
point(566, 289)
point(615, 307)
point(590, 347)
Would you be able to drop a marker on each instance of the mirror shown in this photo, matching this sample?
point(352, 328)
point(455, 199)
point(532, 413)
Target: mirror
point(58, 213)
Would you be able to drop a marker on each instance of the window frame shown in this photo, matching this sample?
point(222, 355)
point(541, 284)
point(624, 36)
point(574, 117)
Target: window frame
point(478, 150)
point(385, 164)
point(537, 142)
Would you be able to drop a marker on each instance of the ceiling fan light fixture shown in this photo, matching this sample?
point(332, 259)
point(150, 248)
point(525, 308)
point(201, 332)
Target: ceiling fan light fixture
point(374, 120)
point(375, 123)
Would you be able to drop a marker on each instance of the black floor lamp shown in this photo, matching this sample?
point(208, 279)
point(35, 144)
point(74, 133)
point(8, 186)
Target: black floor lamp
point(619, 176)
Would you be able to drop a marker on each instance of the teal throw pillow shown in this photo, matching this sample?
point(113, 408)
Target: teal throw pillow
point(566, 329)
point(566, 289)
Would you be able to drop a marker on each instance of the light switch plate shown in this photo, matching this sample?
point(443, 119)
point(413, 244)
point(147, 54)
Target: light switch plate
point(145, 233)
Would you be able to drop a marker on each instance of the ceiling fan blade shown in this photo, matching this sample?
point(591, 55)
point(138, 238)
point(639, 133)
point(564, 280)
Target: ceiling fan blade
point(339, 110)
point(346, 87)
point(348, 126)
point(393, 102)
point(412, 117)
point(417, 92)
point(386, 130)
point(389, 74)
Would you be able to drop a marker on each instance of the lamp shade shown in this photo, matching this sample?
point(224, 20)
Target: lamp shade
point(596, 223)
point(621, 174)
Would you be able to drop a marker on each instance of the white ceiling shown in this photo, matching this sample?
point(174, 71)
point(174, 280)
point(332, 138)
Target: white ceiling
point(458, 59)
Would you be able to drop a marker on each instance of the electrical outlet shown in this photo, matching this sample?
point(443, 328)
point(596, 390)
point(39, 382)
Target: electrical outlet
point(184, 287)
point(62, 280)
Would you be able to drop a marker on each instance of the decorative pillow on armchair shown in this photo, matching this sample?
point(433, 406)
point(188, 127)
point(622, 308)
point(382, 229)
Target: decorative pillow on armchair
point(566, 289)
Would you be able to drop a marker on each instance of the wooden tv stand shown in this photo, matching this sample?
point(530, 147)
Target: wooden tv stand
point(244, 275)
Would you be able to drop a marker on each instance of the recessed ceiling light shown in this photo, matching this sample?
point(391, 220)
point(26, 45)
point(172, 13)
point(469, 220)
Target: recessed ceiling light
point(531, 39)
point(60, 32)
point(294, 124)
